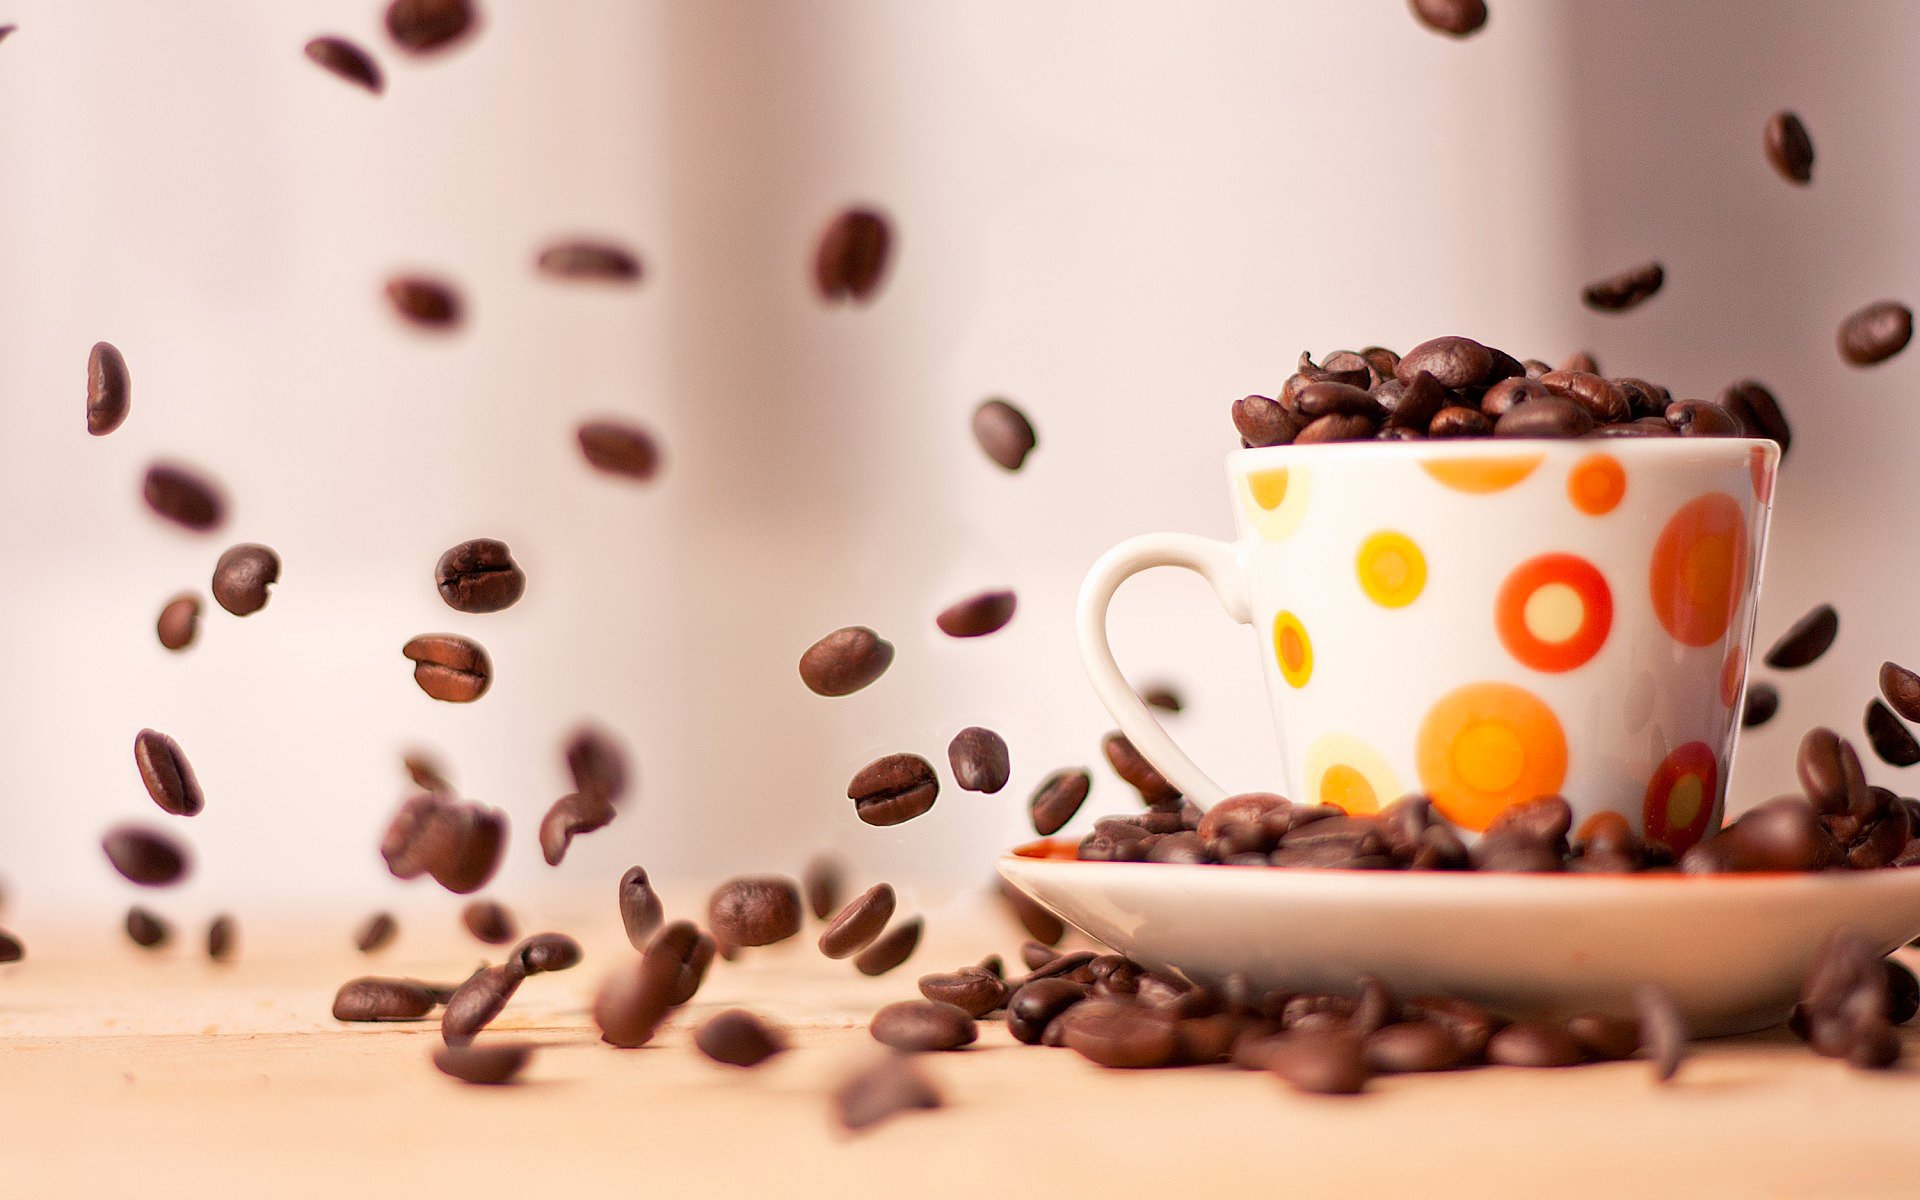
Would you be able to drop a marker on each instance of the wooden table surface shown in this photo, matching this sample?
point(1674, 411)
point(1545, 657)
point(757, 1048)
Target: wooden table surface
point(131, 1073)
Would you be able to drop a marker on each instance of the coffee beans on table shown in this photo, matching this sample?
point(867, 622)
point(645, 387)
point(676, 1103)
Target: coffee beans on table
point(891, 1086)
point(601, 262)
point(974, 990)
point(1875, 333)
point(488, 921)
point(377, 932)
point(1535, 1044)
point(755, 910)
point(1663, 1030)
point(348, 61)
point(493, 1064)
point(619, 448)
point(184, 496)
point(893, 789)
point(243, 575)
point(977, 616)
point(178, 622)
point(979, 760)
point(915, 1025)
point(1057, 799)
point(425, 303)
point(1628, 289)
point(1004, 433)
point(109, 389)
point(147, 857)
point(1891, 740)
point(852, 256)
point(146, 929)
point(167, 774)
point(1789, 148)
point(1456, 18)
point(424, 26)
point(374, 998)
point(845, 661)
point(737, 1038)
point(1806, 641)
point(479, 576)
point(891, 948)
point(450, 667)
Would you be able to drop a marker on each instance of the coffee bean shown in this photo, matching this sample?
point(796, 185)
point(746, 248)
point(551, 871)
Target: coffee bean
point(147, 930)
point(1756, 409)
point(1004, 432)
point(1456, 18)
point(1417, 1045)
point(424, 26)
point(179, 621)
point(1628, 289)
point(1830, 773)
point(681, 954)
point(1876, 1047)
point(450, 667)
point(223, 938)
point(1875, 333)
point(489, 921)
point(632, 1002)
point(1162, 697)
point(1807, 640)
point(852, 256)
point(572, 814)
point(1457, 421)
point(1604, 1037)
point(916, 1025)
point(1035, 1005)
point(891, 948)
point(1471, 1025)
point(1335, 427)
point(1903, 992)
point(243, 575)
point(109, 389)
point(1326, 398)
point(823, 883)
point(479, 576)
point(1901, 688)
point(755, 910)
point(1037, 954)
point(1663, 1030)
point(1784, 834)
point(11, 949)
point(1889, 738)
point(1534, 1044)
point(376, 933)
point(167, 774)
point(1763, 700)
point(845, 661)
point(619, 448)
point(1454, 362)
point(859, 923)
point(737, 1038)
point(1264, 422)
point(601, 262)
point(1133, 767)
point(974, 990)
point(1324, 1063)
point(1074, 964)
point(491, 1065)
point(1507, 393)
point(544, 953)
point(427, 303)
point(889, 1087)
point(1605, 402)
point(1699, 418)
point(893, 789)
point(1039, 922)
point(374, 998)
point(1057, 799)
point(425, 770)
point(146, 857)
point(1119, 1035)
point(475, 1003)
point(1789, 148)
point(1545, 417)
point(978, 758)
point(977, 616)
point(458, 842)
point(640, 910)
point(183, 496)
point(348, 61)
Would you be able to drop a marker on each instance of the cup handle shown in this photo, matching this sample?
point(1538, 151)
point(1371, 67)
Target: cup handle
point(1216, 562)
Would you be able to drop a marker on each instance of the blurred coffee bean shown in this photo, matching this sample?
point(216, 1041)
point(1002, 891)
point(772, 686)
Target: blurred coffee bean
point(223, 939)
point(1789, 148)
point(1471, 1025)
point(1903, 992)
point(916, 1025)
point(974, 990)
point(845, 661)
point(475, 1003)
point(376, 933)
point(184, 496)
point(146, 857)
point(1579, 360)
point(1057, 799)
point(1763, 700)
point(1116, 1034)
point(823, 882)
point(891, 948)
point(179, 622)
point(1004, 432)
point(1875, 333)
point(619, 448)
point(1454, 362)
point(893, 789)
point(1035, 1005)
point(572, 814)
point(1889, 738)
point(1534, 1044)
point(633, 1001)
point(1700, 418)
point(544, 953)
point(1264, 422)
point(852, 256)
point(1628, 289)
point(1830, 772)
point(1039, 922)
point(423, 26)
point(109, 389)
point(374, 998)
point(425, 770)
point(1663, 1030)
point(1418, 1045)
point(450, 667)
point(167, 774)
point(601, 262)
point(979, 761)
point(458, 842)
point(479, 576)
point(427, 303)
point(680, 955)
point(1604, 1037)
point(1756, 409)
point(859, 923)
point(147, 929)
point(755, 910)
point(489, 921)
point(1876, 1047)
point(977, 616)
point(1323, 1062)
point(737, 1038)
point(11, 949)
point(597, 764)
point(640, 910)
point(890, 1086)
point(348, 61)
point(1456, 18)
point(1037, 954)
point(1806, 641)
point(243, 575)
point(1141, 775)
point(1335, 427)
point(491, 1065)
point(1901, 688)
point(1544, 417)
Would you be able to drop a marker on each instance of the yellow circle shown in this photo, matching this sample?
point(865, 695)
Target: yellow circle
point(1683, 802)
point(1292, 649)
point(1488, 757)
point(1554, 613)
point(1392, 570)
point(1274, 500)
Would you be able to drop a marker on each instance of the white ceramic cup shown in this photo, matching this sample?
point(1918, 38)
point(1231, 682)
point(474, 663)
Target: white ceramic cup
point(1482, 621)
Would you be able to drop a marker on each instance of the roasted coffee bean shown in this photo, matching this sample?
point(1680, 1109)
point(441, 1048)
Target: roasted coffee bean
point(1876, 1047)
point(425, 770)
point(1806, 641)
point(601, 262)
point(977, 616)
point(1057, 799)
point(859, 923)
point(1327, 398)
point(223, 937)
point(1516, 853)
point(823, 882)
point(1604, 1037)
point(1504, 395)
point(422, 26)
point(1889, 738)
point(1628, 289)
point(1648, 401)
point(1037, 954)
point(450, 667)
point(1700, 418)
point(1875, 333)
point(1264, 422)
point(427, 303)
point(1116, 1034)
point(374, 998)
point(376, 933)
point(1830, 773)
point(1454, 362)
point(1319, 1062)
point(893, 789)
point(167, 774)
point(1132, 766)
point(1901, 688)
point(475, 1003)
point(1663, 1030)
point(1543, 818)
point(1458, 421)
point(1376, 1008)
point(489, 921)
point(147, 857)
point(1335, 427)
point(11, 949)
point(1039, 921)
point(458, 842)
point(479, 576)
point(183, 496)
point(1247, 808)
point(1758, 412)
point(1075, 964)
point(974, 990)
point(1004, 433)
point(1534, 1044)
point(179, 622)
point(1903, 992)
point(544, 953)
point(1763, 700)
point(109, 389)
point(845, 661)
point(891, 1086)
point(915, 1025)
point(1418, 404)
point(978, 758)
point(1471, 1025)
point(1579, 360)
point(1789, 148)
point(640, 910)
point(1312, 1008)
point(1035, 1005)
point(147, 929)
point(1203, 1041)
point(681, 954)
point(1418, 1045)
point(1545, 417)
point(737, 1038)
point(1605, 402)
point(572, 814)
point(619, 448)
point(348, 61)
point(243, 575)
point(1456, 18)
point(1183, 847)
point(1784, 834)
point(635, 999)
point(852, 255)
point(756, 910)
point(891, 948)
point(1382, 361)
point(493, 1064)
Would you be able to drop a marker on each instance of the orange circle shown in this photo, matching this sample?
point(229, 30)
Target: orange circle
point(1683, 797)
point(1347, 789)
point(1596, 484)
point(1732, 672)
point(1482, 475)
point(1699, 573)
point(1487, 746)
point(1292, 649)
point(1553, 612)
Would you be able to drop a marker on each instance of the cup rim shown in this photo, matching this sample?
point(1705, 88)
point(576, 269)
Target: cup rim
point(1676, 449)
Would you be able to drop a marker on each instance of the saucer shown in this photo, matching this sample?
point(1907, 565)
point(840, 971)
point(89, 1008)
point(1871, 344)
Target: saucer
point(1732, 949)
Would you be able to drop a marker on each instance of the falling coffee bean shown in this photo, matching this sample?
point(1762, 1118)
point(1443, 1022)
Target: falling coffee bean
point(373, 998)
point(427, 303)
point(1901, 688)
point(1889, 738)
point(1456, 18)
point(491, 1065)
point(822, 882)
point(1806, 641)
point(597, 764)
point(630, 1004)
point(601, 262)
point(184, 497)
point(1004, 432)
point(979, 760)
point(243, 575)
point(167, 774)
point(11, 949)
point(737, 1038)
point(146, 929)
point(1163, 698)
point(1875, 333)
point(146, 857)
point(1763, 700)
point(348, 61)
point(1757, 409)
point(109, 389)
point(893, 789)
point(891, 949)
point(1789, 148)
point(1132, 766)
point(475, 1003)
point(681, 954)
point(859, 923)
point(223, 938)
point(889, 1087)
point(572, 814)
point(977, 616)
point(479, 576)
point(1057, 799)
point(1629, 289)
point(917, 1025)
point(425, 771)
point(179, 622)
point(376, 933)
point(619, 448)
point(1040, 922)
point(544, 953)
point(423, 26)
point(459, 843)
point(489, 921)
point(845, 661)
point(755, 910)
point(852, 256)
point(450, 667)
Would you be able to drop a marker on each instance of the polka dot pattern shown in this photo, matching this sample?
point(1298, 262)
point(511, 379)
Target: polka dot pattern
point(1699, 571)
point(1554, 612)
point(1487, 746)
point(1292, 649)
point(1479, 476)
point(1597, 484)
point(1392, 569)
point(1683, 797)
point(1275, 500)
point(1344, 771)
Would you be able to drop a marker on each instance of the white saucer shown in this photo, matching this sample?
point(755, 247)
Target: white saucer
point(1733, 949)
